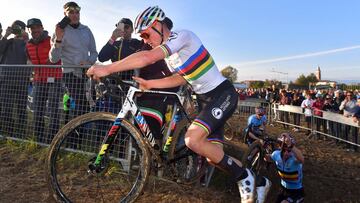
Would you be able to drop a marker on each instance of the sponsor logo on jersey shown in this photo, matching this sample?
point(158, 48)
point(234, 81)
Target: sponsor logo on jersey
point(217, 113)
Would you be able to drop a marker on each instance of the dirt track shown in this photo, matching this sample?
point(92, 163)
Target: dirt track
point(331, 174)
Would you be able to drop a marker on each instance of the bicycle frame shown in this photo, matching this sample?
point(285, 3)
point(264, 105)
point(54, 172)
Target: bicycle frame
point(130, 106)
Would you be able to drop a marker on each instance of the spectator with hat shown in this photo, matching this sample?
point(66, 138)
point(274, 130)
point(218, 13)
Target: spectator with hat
point(14, 80)
point(74, 44)
point(47, 81)
point(120, 45)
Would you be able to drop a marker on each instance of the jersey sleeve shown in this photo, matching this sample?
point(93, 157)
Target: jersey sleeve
point(176, 42)
point(274, 155)
point(264, 119)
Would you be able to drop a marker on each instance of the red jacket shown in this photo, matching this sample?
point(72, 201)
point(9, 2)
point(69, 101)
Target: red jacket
point(39, 54)
point(318, 107)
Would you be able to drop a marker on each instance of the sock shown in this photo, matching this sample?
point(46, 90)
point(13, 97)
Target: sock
point(230, 166)
point(260, 181)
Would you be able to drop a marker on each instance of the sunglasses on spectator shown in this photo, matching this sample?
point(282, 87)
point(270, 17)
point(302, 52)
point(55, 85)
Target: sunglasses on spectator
point(72, 8)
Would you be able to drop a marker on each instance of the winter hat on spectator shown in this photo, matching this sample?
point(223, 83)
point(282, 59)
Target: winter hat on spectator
point(71, 6)
point(126, 21)
point(33, 21)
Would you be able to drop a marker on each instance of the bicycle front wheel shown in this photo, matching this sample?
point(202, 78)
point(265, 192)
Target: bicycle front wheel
point(254, 157)
point(123, 170)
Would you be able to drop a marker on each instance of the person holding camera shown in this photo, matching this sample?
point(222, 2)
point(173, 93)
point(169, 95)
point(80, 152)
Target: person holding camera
point(121, 45)
point(74, 44)
point(47, 81)
point(14, 80)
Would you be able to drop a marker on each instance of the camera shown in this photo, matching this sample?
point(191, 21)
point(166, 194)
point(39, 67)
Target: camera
point(16, 30)
point(64, 22)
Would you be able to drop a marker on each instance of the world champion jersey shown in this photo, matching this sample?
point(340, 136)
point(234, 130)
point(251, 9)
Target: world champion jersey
point(186, 55)
point(290, 171)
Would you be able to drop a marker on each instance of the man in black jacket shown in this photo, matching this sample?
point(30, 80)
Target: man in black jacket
point(120, 45)
point(14, 80)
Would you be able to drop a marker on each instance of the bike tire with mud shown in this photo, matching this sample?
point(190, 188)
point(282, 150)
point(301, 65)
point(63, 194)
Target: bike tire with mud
point(125, 166)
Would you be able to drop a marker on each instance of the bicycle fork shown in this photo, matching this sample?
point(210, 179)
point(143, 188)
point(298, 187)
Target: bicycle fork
point(99, 164)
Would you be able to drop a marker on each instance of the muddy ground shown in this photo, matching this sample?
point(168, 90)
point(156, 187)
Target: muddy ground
point(331, 174)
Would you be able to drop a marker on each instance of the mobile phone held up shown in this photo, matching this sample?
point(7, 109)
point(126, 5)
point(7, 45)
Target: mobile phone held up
point(64, 22)
point(120, 26)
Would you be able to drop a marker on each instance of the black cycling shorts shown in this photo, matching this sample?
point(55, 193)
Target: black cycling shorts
point(215, 108)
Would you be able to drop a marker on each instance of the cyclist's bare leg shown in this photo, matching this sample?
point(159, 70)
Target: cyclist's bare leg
point(196, 140)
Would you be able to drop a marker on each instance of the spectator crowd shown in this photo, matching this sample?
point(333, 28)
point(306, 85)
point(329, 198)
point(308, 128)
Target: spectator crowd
point(314, 103)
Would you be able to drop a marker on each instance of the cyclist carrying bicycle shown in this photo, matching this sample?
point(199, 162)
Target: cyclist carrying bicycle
point(256, 125)
point(190, 63)
point(289, 163)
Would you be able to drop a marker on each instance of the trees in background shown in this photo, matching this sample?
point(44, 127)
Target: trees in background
point(303, 80)
point(230, 73)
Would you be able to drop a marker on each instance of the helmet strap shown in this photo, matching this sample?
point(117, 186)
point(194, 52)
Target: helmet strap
point(160, 33)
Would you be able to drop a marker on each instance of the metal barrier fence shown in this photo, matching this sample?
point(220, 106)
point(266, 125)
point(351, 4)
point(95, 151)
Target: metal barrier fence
point(332, 125)
point(36, 101)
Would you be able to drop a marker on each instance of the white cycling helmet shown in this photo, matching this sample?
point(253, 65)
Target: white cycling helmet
point(146, 18)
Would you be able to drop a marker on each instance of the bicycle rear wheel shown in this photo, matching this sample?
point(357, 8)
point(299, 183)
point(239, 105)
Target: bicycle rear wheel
point(254, 157)
point(187, 166)
point(124, 168)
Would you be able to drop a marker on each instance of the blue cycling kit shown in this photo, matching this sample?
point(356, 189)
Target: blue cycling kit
point(290, 170)
point(254, 122)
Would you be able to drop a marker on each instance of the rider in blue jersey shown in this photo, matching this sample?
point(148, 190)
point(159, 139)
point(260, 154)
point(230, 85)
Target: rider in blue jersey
point(256, 125)
point(289, 163)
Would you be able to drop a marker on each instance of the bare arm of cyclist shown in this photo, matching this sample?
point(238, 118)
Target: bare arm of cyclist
point(168, 82)
point(134, 61)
